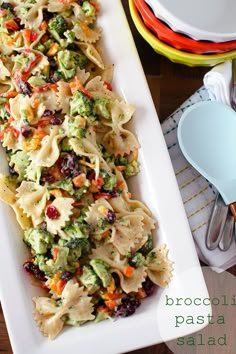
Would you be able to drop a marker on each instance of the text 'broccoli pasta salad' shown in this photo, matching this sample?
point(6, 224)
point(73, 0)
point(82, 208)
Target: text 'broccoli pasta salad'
point(69, 155)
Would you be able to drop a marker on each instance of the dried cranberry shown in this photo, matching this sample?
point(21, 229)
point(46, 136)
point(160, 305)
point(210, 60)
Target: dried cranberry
point(66, 275)
point(12, 171)
point(18, 21)
point(33, 269)
point(47, 113)
point(69, 165)
point(25, 88)
point(47, 177)
point(128, 306)
point(47, 15)
point(111, 216)
point(26, 132)
point(148, 286)
point(52, 212)
point(55, 120)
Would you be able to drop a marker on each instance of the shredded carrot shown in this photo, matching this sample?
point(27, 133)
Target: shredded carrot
point(112, 286)
point(10, 94)
point(106, 233)
point(120, 184)
point(95, 5)
point(36, 103)
point(85, 29)
point(55, 253)
point(111, 296)
point(128, 271)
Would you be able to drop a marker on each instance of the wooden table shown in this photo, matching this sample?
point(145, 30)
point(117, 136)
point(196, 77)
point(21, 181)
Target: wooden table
point(170, 84)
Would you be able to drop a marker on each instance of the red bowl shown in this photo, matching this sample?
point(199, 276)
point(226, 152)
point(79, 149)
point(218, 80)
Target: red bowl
point(177, 40)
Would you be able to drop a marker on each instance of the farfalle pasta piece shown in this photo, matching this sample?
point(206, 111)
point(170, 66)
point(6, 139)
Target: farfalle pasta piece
point(34, 16)
point(75, 305)
point(32, 198)
point(128, 233)
point(120, 142)
point(91, 53)
point(49, 151)
point(64, 206)
point(98, 88)
point(80, 15)
point(84, 33)
point(159, 267)
point(77, 146)
point(133, 283)
point(95, 213)
point(4, 72)
point(21, 107)
point(109, 254)
point(8, 196)
point(63, 96)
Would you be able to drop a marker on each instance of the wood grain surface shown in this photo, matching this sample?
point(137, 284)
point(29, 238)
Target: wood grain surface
point(170, 84)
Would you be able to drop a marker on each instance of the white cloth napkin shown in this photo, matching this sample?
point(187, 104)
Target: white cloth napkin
point(197, 193)
point(218, 82)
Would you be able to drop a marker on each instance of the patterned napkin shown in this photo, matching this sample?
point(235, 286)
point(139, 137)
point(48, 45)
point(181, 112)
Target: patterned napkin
point(197, 193)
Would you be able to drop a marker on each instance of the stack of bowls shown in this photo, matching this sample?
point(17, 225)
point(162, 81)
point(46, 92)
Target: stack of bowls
point(185, 31)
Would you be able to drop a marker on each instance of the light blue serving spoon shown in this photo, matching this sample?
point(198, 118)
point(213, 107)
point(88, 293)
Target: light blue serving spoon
point(207, 138)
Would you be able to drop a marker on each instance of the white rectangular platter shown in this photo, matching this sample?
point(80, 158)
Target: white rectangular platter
point(155, 185)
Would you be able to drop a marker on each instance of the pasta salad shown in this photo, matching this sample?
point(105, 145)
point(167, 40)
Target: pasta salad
point(69, 154)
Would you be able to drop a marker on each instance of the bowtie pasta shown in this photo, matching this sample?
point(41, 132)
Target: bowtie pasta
point(70, 154)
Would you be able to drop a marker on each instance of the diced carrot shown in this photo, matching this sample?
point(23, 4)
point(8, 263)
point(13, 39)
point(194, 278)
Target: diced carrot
point(102, 309)
point(52, 49)
point(120, 184)
point(79, 180)
point(128, 271)
point(111, 296)
point(120, 168)
point(43, 26)
point(111, 304)
point(82, 122)
point(40, 134)
point(26, 35)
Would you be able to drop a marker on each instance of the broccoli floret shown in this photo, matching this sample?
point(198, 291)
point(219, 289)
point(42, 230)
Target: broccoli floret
point(75, 129)
point(20, 161)
point(65, 184)
point(57, 26)
point(81, 104)
point(69, 61)
point(76, 231)
point(39, 240)
point(80, 243)
point(131, 169)
point(110, 181)
point(59, 263)
point(102, 107)
point(101, 268)
point(90, 279)
point(137, 260)
point(89, 10)
point(33, 172)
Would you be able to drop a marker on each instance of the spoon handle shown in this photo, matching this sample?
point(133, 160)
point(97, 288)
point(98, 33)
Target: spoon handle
point(217, 223)
point(233, 209)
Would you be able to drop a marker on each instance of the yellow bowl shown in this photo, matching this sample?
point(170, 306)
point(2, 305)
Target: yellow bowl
point(173, 54)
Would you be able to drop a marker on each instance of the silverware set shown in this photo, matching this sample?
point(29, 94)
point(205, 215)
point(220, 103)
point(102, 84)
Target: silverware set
point(222, 229)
